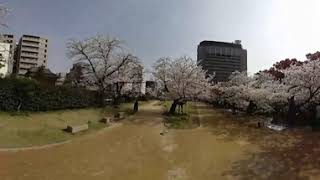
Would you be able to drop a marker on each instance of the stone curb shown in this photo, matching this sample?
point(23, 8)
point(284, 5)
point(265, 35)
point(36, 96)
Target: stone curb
point(57, 144)
point(34, 147)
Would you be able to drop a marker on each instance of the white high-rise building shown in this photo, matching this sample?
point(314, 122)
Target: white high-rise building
point(10, 39)
point(5, 59)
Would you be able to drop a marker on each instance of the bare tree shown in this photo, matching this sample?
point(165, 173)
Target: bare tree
point(105, 58)
point(3, 13)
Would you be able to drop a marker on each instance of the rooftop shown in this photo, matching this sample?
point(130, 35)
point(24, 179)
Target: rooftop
point(221, 44)
point(31, 36)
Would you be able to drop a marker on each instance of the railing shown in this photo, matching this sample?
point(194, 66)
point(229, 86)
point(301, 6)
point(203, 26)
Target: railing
point(29, 55)
point(30, 49)
point(31, 38)
point(35, 44)
point(25, 60)
point(25, 66)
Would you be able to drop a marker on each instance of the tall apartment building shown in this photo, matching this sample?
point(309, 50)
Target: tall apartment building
point(4, 59)
point(10, 39)
point(222, 58)
point(32, 51)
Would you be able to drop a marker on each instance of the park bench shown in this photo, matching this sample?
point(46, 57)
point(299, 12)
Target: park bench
point(119, 116)
point(106, 120)
point(77, 128)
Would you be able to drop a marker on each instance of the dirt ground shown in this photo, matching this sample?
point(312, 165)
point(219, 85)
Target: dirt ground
point(135, 150)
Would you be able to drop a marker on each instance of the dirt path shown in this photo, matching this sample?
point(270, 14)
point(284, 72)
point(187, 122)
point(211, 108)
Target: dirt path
point(134, 151)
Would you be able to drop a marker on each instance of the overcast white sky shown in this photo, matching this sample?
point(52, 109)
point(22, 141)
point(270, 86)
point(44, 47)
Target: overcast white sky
point(270, 30)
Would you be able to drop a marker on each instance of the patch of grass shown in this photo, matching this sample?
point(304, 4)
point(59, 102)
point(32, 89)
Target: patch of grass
point(185, 120)
point(127, 108)
point(177, 121)
point(166, 104)
point(30, 129)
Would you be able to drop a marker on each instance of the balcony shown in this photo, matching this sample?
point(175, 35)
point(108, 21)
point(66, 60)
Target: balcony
point(36, 50)
point(31, 38)
point(22, 71)
point(30, 43)
point(25, 66)
point(28, 61)
point(29, 55)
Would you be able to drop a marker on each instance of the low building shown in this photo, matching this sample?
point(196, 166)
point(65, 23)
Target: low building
point(76, 77)
point(61, 79)
point(42, 75)
point(150, 88)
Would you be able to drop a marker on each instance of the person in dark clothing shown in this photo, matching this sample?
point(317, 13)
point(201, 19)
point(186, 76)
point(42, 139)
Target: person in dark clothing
point(136, 106)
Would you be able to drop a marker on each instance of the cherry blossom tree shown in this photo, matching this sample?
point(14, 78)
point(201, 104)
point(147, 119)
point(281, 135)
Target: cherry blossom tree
point(232, 93)
point(180, 80)
point(288, 89)
point(127, 81)
point(259, 93)
point(277, 68)
point(268, 94)
point(106, 61)
point(303, 83)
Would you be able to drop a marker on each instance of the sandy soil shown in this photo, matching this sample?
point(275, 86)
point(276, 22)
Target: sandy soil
point(136, 151)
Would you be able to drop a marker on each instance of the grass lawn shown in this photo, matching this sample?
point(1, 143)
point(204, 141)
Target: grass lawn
point(187, 119)
point(30, 129)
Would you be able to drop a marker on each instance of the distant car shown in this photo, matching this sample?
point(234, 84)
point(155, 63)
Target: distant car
point(108, 101)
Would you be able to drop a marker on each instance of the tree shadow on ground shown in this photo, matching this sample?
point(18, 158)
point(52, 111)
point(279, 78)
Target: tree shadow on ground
point(298, 161)
point(292, 154)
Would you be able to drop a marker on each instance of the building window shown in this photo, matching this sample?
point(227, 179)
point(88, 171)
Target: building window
point(45, 50)
point(45, 56)
point(46, 45)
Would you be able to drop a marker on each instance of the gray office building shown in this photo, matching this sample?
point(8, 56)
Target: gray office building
point(222, 58)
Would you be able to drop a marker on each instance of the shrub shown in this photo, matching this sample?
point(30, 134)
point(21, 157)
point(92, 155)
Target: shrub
point(27, 95)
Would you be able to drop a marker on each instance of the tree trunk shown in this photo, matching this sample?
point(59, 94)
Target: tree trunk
point(173, 107)
point(291, 118)
point(251, 107)
point(233, 107)
point(101, 99)
point(275, 118)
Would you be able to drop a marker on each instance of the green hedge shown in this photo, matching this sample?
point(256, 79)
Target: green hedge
point(34, 97)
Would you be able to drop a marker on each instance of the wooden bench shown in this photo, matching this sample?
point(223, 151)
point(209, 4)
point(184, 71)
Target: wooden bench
point(77, 128)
